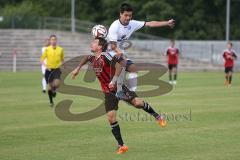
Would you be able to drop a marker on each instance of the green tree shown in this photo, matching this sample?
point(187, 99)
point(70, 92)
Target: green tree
point(21, 14)
point(199, 19)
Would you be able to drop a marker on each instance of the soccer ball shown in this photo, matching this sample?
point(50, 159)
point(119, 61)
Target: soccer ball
point(99, 31)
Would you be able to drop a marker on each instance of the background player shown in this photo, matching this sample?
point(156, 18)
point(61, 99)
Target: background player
point(104, 65)
point(173, 55)
point(121, 30)
point(229, 56)
point(55, 57)
point(44, 83)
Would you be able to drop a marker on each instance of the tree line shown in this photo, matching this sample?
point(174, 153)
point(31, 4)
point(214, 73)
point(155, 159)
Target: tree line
point(195, 20)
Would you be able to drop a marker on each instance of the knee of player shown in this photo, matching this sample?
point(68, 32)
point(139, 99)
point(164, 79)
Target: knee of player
point(56, 83)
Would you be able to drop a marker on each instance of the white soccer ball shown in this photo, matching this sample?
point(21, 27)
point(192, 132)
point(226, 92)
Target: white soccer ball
point(99, 31)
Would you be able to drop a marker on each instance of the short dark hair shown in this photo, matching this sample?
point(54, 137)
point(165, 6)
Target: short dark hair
point(53, 35)
point(102, 42)
point(126, 7)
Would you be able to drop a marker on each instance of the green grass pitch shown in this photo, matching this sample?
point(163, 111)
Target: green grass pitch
point(203, 123)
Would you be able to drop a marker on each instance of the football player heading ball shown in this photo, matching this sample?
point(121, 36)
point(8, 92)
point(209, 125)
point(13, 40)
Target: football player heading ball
point(121, 30)
point(104, 65)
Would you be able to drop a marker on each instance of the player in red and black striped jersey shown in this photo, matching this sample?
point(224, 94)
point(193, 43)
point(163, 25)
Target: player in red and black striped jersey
point(104, 66)
point(172, 54)
point(229, 56)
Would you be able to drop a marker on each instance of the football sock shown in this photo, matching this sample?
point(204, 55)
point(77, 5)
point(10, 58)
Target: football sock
point(44, 84)
point(117, 133)
point(230, 79)
point(149, 109)
point(170, 77)
point(226, 78)
point(175, 77)
point(132, 81)
point(50, 96)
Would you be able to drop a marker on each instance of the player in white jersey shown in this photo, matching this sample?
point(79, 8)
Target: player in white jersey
point(120, 31)
point(44, 83)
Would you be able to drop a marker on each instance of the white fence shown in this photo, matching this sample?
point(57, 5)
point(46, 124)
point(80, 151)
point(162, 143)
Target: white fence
point(207, 51)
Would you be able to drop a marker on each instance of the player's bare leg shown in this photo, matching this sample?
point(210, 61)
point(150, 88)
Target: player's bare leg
point(116, 131)
point(52, 90)
point(54, 85)
point(140, 104)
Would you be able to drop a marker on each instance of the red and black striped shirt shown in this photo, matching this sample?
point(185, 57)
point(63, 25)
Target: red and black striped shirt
point(104, 68)
point(173, 54)
point(229, 57)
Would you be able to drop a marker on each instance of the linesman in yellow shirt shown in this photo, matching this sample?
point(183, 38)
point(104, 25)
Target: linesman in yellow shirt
point(55, 58)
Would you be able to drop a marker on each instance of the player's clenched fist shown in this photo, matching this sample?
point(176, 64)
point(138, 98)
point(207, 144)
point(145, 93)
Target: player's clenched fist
point(171, 23)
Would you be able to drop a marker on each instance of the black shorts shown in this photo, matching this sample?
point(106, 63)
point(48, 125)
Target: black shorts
point(111, 101)
point(228, 69)
point(52, 74)
point(171, 66)
point(129, 94)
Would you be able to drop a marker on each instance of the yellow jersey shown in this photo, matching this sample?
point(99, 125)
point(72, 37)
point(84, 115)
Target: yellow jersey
point(54, 57)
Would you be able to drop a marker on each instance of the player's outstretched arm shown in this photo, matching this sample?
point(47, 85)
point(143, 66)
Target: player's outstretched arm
point(83, 61)
point(170, 23)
